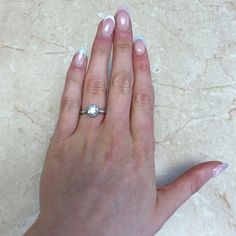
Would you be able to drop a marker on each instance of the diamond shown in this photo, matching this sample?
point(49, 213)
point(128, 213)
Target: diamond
point(92, 110)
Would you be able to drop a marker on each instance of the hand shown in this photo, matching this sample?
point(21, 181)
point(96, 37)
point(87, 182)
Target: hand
point(98, 177)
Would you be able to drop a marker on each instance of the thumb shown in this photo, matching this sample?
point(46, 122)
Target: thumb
point(172, 196)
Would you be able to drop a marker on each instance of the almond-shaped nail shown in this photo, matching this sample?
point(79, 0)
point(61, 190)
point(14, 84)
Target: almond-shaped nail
point(80, 57)
point(219, 169)
point(123, 20)
point(139, 45)
point(108, 26)
point(123, 8)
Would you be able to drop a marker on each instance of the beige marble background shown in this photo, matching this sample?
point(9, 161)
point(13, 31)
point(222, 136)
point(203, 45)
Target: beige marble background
point(193, 54)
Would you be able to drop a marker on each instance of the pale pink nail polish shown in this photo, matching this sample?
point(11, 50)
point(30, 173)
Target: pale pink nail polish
point(139, 46)
point(219, 169)
point(108, 26)
point(124, 8)
point(80, 57)
point(122, 20)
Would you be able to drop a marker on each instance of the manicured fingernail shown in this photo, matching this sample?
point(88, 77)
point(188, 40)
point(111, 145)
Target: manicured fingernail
point(108, 26)
point(122, 19)
point(139, 45)
point(123, 8)
point(80, 57)
point(219, 169)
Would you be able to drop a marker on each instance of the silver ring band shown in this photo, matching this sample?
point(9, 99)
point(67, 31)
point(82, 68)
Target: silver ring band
point(92, 110)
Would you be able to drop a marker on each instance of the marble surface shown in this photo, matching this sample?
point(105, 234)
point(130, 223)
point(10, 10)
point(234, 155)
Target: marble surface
point(193, 54)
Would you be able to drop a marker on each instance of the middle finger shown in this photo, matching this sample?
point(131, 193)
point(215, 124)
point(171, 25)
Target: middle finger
point(121, 83)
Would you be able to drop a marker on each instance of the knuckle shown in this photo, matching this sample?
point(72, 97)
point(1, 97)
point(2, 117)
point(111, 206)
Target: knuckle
point(123, 44)
point(195, 184)
point(113, 145)
point(96, 86)
point(122, 81)
point(142, 65)
point(144, 97)
point(72, 77)
point(110, 150)
point(69, 103)
point(143, 148)
point(99, 47)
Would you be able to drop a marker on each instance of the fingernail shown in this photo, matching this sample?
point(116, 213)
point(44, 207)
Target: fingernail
point(219, 169)
point(80, 57)
point(139, 45)
point(123, 8)
point(108, 26)
point(122, 19)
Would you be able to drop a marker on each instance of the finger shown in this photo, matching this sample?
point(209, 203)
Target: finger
point(143, 96)
point(174, 195)
point(94, 90)
point(71, 97)
point(120, 87)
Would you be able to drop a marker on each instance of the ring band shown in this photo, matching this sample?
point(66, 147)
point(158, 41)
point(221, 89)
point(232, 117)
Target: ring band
point(92, 110)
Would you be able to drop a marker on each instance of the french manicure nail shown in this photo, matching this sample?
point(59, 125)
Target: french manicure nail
point(122, 19)
point(108, 26)
point(139, 45)
point(80, 57)
point(123, 8)
point(219, 169)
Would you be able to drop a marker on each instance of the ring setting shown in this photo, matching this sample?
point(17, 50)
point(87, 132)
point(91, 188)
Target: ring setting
point(92, 110)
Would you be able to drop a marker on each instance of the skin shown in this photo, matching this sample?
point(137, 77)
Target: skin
point(99, 175)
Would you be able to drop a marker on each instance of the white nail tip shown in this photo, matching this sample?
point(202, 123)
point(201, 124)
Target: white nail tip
point(110, 17)
point(140, 38)
point(82, 51)
point(123, 8)
point(80, 57)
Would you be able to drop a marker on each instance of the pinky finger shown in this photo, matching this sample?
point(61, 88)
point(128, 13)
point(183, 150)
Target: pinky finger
point(71, 97)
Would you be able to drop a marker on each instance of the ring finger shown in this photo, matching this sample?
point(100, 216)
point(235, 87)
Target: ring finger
point(95, 84)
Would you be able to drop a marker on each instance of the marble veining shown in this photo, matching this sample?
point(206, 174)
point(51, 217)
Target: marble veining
point(192, 51)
